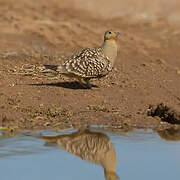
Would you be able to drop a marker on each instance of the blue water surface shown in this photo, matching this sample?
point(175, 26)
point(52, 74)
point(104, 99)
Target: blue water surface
point(141, 155)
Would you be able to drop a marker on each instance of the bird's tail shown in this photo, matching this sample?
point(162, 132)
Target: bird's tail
point(47, 139)
point(60, 69)
point(51, 67)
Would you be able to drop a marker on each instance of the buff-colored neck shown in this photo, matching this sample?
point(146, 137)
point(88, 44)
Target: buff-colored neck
point(110, 49)
point(109, 163)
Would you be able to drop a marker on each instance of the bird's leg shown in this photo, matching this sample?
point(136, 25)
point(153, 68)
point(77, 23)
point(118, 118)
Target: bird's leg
point(82, 82)
point(88, 85)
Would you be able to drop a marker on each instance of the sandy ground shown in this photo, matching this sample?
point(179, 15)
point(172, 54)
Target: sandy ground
point(34, 33)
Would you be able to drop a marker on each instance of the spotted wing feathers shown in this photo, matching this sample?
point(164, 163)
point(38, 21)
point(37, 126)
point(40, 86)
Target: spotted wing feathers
point(88, 63)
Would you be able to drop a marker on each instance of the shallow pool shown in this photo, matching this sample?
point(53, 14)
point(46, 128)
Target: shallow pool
point(91, 154)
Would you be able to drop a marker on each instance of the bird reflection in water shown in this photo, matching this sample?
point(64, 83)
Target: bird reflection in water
point(95, 147)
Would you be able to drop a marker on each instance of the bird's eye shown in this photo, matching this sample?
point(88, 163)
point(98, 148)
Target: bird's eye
point(110, 32)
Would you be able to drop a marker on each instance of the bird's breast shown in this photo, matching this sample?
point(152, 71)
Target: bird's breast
point(110, 50)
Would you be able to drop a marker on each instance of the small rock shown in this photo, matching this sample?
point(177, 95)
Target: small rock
point(160, 61)
point(178, 71)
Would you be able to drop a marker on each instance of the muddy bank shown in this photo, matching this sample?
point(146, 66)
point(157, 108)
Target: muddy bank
point(166, 113)
point(147, 70)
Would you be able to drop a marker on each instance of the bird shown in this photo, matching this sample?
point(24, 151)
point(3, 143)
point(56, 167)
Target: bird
point(91, 63)
point(95, 147)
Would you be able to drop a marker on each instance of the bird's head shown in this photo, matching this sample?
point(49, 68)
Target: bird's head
point(111, 175)
point(111, 35)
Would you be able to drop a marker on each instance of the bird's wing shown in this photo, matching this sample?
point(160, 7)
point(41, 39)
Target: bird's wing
point(88, 146)
point(88, 63)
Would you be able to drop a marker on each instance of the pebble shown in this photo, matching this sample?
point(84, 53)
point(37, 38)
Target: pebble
point(178, 72)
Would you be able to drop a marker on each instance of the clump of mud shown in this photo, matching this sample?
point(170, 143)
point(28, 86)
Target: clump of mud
point(171, 134)
point(166, 113)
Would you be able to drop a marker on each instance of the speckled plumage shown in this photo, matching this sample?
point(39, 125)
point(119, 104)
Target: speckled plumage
point(88, 63)
point(95, 147)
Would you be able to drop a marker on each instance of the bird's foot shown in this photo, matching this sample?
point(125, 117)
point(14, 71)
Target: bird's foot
point(85, 83)
point(85, 86)
point(88, 85)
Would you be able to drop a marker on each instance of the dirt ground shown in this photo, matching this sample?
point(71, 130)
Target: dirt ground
point(35, 33)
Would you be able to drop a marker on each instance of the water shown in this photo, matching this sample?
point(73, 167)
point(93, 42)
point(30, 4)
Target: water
point(139, 155)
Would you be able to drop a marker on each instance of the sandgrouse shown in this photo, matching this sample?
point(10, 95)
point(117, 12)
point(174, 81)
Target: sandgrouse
point(95, 147)
point(92, 62)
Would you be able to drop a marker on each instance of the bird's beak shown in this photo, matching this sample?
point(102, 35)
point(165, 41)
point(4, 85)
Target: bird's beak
point(118, 33)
